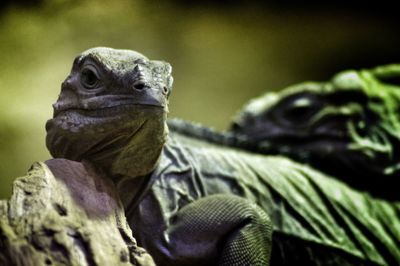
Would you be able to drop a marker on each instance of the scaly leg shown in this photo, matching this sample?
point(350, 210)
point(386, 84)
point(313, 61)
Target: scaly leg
point(219, 230)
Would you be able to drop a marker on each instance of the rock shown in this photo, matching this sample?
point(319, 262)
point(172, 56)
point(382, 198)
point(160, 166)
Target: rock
point(64, 213)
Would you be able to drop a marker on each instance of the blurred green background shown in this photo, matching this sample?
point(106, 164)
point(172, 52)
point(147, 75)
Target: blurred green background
point(223, 53)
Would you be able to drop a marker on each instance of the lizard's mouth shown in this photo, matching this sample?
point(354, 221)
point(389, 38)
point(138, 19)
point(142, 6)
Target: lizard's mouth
point(108, 103)
point(99, 112)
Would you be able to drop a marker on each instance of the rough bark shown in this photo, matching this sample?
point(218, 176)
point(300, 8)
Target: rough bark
point(63, 213)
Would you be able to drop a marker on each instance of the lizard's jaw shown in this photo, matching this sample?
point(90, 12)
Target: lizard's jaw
point(101, 136)
point(323, 134)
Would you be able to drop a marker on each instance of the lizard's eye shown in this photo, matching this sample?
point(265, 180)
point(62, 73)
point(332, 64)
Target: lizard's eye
point(89, 78)
point(301, 110)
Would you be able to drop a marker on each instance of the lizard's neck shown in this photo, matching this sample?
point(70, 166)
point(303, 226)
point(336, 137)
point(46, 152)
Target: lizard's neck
point(132, 168)
point(130, 190)
point(140, 156)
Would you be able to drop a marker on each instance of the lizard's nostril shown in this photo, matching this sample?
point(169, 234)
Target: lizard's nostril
point(139, 85)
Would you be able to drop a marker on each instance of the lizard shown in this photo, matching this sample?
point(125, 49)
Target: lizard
point(348, 127)
point(191, 203)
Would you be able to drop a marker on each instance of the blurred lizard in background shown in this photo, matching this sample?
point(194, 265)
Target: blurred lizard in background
point(348, 127)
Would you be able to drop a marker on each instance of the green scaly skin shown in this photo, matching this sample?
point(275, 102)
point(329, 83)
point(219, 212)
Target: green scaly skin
point(192, 203)
point(348, 127)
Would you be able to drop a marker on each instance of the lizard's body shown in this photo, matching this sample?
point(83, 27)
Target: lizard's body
point(316, 221)
point(194, 203)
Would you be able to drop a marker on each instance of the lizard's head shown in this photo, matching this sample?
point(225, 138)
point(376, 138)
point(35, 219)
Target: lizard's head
point(112, 111)
point(351, 123)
